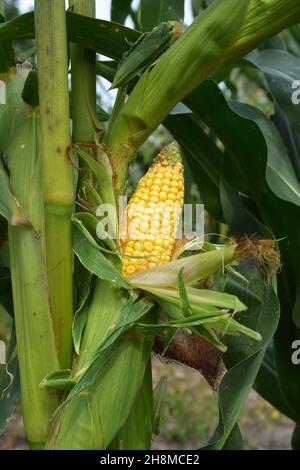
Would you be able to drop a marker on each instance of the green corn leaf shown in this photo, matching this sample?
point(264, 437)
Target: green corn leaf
point(233, 327)
point(203, 156)
point(205, 302)
point(267, 385)
point(79, 322)
point(185, 303)
point(172, 296)
point(90, 255)
point(7, 55)
point(168, 340)
point(89, 420)
point(102, 169)
point(107, 69)
point(235, 440)
point(159, 404)
point(196, 267)
point(13, 111)
point(59, 380)
point(192, 320)
point(287, 372)
point(84, 286)
point(137, 432)
point(205, 331)
point(280, 175)
point(30, 93)
point(153, 12)
point(106, 37)
point(244, 356)
point(120, 9)
point(144, 52)
point(88, 221)
point(281, 70)
point(196, 302)
point(132, 311)
point(102, 115)
point(218, 299)
point(113, 39)
point(173, 77)
point(9, 207)
point(245, 171)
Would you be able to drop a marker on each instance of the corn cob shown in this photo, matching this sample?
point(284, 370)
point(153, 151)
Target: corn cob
point(153, 212)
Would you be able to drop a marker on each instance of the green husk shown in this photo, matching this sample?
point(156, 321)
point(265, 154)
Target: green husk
point(13, 110)
point(108, 385)
point(136, 434)
point(93, 417)
point(196, 268)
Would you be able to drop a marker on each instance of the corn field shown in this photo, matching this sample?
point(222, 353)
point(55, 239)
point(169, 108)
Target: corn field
point(149, 205)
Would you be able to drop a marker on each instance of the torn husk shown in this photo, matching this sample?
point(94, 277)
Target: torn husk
point(193, 351)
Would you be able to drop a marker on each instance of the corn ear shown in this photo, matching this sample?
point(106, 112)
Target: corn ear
point(153, 212)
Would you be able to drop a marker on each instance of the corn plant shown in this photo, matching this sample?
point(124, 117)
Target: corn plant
point(88, 288)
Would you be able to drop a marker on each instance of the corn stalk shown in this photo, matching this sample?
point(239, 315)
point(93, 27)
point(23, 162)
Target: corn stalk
point(34, 328)
point(83, 82)
point(50, 25)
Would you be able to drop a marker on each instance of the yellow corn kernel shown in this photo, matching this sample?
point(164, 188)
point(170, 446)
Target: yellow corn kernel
point(159, 197)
